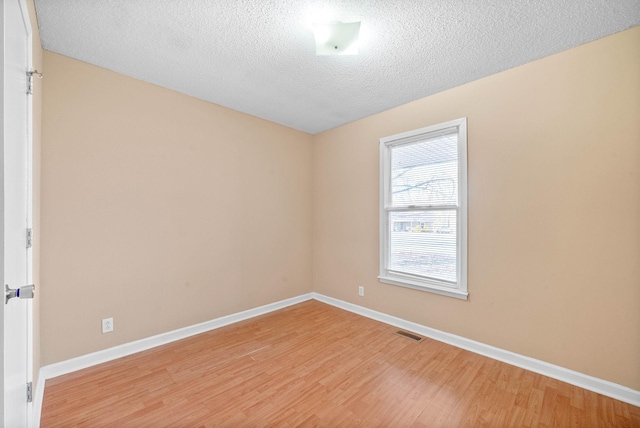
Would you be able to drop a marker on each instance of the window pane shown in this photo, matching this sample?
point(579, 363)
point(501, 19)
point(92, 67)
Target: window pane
point(423, 243)
point(425, 173)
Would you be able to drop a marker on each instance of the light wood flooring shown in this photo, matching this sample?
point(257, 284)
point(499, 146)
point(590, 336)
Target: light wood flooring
point(315, 365)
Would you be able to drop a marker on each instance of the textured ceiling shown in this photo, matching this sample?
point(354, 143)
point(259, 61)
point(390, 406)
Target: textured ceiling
point(258, 56)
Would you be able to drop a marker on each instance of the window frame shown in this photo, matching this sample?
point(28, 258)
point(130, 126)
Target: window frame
point(433, 285)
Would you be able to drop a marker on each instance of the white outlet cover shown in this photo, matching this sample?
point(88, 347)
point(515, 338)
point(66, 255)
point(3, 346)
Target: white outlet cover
point(107, 325)
point(361, 291)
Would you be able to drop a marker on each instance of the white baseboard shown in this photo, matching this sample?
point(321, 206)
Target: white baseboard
point(610, 389)
point(74, 364)
point(591, 383)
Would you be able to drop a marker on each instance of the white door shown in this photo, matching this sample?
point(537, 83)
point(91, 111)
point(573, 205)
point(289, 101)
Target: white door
point(16, 211)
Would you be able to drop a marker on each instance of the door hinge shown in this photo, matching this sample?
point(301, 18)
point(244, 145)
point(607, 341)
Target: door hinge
point(30, 74)
point(29, 392)
point(29, 237)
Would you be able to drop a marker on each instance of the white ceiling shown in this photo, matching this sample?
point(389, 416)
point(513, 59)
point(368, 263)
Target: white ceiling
point(258, 56)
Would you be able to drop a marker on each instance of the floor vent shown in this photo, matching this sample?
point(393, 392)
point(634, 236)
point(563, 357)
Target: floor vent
point(409, 335)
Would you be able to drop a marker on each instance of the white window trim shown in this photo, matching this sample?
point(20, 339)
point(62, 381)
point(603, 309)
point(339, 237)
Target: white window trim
point(458, 290)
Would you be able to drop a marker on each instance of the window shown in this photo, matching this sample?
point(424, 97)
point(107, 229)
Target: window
point(423, 209)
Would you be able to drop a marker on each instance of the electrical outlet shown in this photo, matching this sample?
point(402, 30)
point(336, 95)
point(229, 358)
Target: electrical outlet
point(361, 291)
point(107, 325)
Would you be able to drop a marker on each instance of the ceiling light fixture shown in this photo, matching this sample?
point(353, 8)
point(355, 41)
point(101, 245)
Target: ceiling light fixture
point(338, 38)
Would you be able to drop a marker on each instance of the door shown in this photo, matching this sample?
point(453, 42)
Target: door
point(15, 213)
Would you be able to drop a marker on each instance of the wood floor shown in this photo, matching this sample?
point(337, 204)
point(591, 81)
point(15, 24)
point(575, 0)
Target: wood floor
point(315, 365)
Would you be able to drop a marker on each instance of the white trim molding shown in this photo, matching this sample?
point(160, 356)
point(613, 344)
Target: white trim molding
point(414, 176)
point(38, 398)
point(604, 387)
point(610, 389)
point(82, 362)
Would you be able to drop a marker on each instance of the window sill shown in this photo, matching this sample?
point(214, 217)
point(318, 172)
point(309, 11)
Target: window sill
point(444, 291)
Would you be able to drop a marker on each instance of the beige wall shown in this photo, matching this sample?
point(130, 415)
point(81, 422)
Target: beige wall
point(161, 210)
point(554, 209)
point(36, 141)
